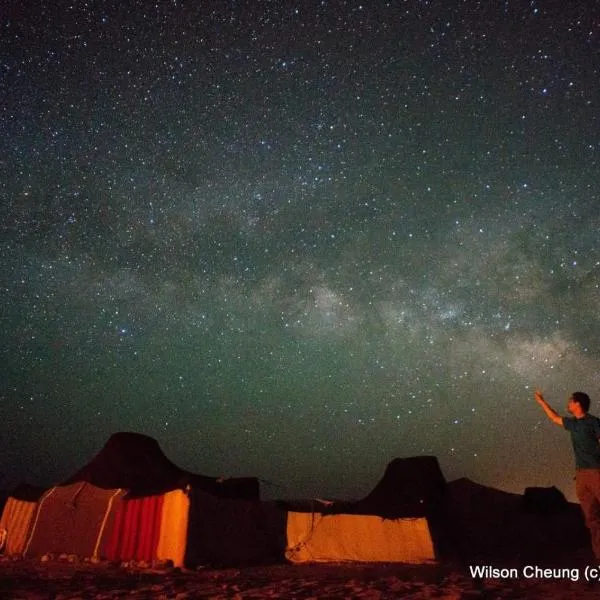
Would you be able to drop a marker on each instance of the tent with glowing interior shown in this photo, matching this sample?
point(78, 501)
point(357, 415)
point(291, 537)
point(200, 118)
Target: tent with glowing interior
point(129, 503)
point(17, 516)
point(72, 519)
point(399, 521)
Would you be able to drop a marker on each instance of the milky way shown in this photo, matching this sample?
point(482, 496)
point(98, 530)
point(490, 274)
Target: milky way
point(297, 240)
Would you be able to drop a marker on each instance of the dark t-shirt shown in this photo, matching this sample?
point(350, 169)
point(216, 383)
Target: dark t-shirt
point(585, 433)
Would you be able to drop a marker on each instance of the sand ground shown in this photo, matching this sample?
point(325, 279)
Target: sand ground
point(59, 580)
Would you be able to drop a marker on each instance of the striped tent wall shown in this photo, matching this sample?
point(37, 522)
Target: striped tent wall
point(136, 530)
point(16, 520)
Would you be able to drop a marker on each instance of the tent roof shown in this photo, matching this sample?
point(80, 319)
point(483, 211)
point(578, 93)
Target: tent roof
point(136, 462)
point(410, 487)
point(27, 492)
point(129, 460)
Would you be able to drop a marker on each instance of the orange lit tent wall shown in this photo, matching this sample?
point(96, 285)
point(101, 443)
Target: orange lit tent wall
point(364, 538)
point(172, 538)
point(17, 517)
point(150, 528)
point(88, 521)
point(397, 522)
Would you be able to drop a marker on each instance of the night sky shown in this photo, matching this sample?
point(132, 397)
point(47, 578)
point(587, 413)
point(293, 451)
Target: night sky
point(297, 240)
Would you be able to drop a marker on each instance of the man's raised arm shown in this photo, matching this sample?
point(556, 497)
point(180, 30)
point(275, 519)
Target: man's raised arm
point(550, 412)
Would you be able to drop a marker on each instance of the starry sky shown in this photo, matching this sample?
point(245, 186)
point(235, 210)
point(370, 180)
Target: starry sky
point(298, 239)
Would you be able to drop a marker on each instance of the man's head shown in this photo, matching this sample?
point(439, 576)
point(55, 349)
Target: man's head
point(579, 404)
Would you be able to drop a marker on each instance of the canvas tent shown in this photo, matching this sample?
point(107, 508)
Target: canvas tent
point(150, 527)
point(173, 535)
point(397, 522)
point(136, 529)
point(17, 516)
point(130, 502)
point(72, 519)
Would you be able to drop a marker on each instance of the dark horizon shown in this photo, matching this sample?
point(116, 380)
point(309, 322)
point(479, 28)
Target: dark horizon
point(269, 490)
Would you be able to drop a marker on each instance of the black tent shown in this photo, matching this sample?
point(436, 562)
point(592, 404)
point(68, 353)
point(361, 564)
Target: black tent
point(227, 532)
point(410, 487)
point(136, 462)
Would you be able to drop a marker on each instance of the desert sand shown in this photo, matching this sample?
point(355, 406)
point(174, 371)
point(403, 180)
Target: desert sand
point(61, 580)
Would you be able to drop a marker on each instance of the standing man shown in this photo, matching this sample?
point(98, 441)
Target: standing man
point(585, 437)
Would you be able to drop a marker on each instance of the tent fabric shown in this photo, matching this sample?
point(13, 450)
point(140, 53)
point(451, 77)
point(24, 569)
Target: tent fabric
point(136, 531)
point(313, 537)
point(236, 488)
point(227, 532)
point(17, 516)
point(136, 462)
point(30, 493)
point(173, 527)
point(132, 461)
point(400, 520)
point(16, 520)
point(488, 524)
point(544, 500)
point(72, 519)
point(410, 487)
